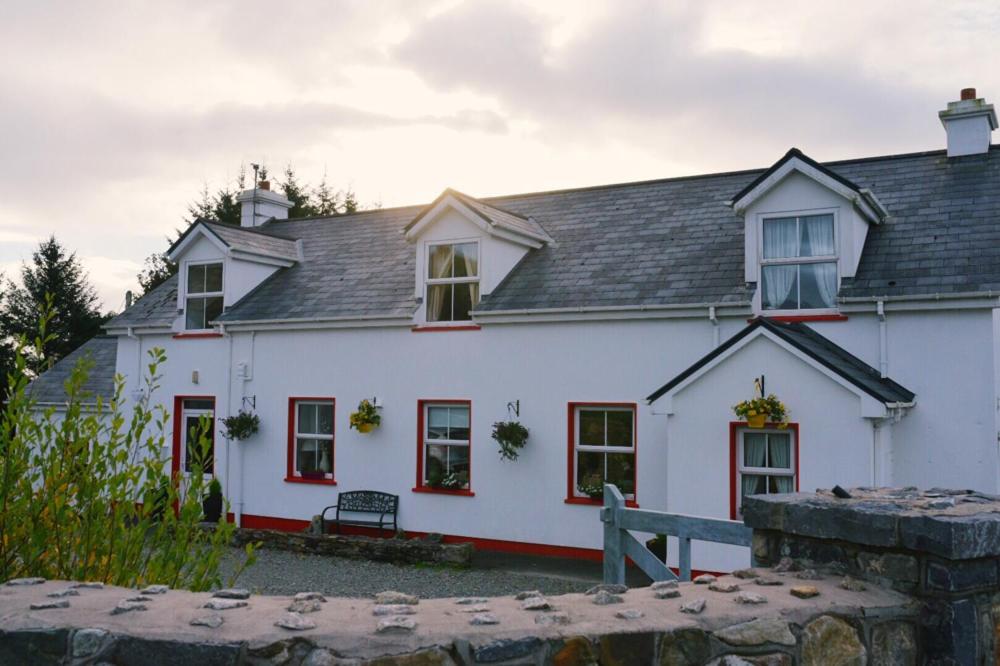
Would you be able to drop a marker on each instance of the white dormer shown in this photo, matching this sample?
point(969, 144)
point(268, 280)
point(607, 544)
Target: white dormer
point(464, 249)
point(804, 229)
point(218, 265)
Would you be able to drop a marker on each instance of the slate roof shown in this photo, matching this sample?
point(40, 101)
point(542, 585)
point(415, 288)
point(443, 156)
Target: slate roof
point(254, 241)
point(494, 216)
point(664, 242)
point(102, 350)
point(157, 308)
point(817, 347)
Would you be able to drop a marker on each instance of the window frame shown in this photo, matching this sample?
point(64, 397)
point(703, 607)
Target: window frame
point(291, 474)
point(430, 282)
point(834, 212)
point(422, 422)
point(177, 435)
point(208, 294)
point(573, 496)
point(736, 469)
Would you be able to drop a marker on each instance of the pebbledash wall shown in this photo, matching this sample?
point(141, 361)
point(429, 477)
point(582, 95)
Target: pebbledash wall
point(948, 439)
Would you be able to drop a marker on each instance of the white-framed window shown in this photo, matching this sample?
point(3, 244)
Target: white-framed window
point(312, 439)
point(452, 280)
point(203, 297)
point(765, 463)
point(798, 265)
point(446, 449)
point(603, 449)
point(198, 435)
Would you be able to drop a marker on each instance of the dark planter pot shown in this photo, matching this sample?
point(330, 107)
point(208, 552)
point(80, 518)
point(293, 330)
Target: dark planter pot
point(212, 507)
point(658, 547)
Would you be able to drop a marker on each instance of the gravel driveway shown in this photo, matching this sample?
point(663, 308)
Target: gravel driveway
point(283, 572)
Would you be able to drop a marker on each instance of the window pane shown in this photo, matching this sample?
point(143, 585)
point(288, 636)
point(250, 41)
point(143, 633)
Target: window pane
point(195, 314)
point(324, 415)
point(437, 423)
point(620, 428)
point(780, 451)
point(466, 297)
point(780, 484)
point(313, 455)
point(780, 238)
point(589, 468)
point(458, 423)
point(621, 471)
point(779, 287)
point(458, 462)
point(752, 484)
point(466, 260)
point(213, 308)
point(819, 285)
point(307, 418)
point(754, 449)
point(196, 279)
point(436, 464)
point(200, 443)
point(213, 277)
point(199, 404)
point(817, 236)
point(591, 428)
point(439, 298)
point(440, 259)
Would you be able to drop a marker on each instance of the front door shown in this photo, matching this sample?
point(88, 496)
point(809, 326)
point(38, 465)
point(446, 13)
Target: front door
point(194, 436)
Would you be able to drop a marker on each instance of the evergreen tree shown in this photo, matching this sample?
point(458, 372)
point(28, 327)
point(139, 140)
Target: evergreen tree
point(298, 194)
point(350, 202)
point(157, 269)
point(325, 199)
point(52, 274)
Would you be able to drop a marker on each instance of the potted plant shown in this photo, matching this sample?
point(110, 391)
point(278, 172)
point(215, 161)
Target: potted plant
point(211, 506)
point(592, 486)
point(241, 426)
point(366, 418)
point(758, 411)
point(511, 436)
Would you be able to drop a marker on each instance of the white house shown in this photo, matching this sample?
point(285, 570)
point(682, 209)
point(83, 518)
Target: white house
point(618, 323)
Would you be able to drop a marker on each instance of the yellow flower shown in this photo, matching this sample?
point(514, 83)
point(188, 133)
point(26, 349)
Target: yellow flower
point(752, 412)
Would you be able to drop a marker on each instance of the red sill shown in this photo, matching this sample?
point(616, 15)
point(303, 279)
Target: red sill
point(586, 501)
point(443, 329)
point(193, 336)
point(318, 482)
point(791, 319)
point(443, 491)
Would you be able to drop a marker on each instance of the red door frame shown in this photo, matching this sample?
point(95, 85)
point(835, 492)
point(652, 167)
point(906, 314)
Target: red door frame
point(734, 430)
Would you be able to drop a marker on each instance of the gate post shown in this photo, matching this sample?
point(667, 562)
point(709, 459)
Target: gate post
point(614, 542)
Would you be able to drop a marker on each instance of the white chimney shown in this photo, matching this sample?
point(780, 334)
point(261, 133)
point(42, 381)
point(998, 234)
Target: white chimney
point(261, 204)
point(968, 123)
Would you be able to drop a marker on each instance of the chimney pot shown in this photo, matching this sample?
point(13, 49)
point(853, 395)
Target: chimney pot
point(968, 93)
point(266, 184)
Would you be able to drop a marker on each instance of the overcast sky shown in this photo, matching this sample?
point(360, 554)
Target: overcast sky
point(114, 114)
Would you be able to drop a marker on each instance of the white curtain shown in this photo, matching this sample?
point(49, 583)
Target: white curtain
point(817, 236)
point(780, 238)
point(779, 281)
point(471, 269)
point(826, 282)
point(439, 296)
point(754, 455)
point(781, 458)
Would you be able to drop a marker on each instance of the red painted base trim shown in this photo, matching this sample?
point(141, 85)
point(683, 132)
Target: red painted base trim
point(586, 501)
point(442, 329)
point(272, 523)
point(194, 336)
point(443, 491)
point(790, 319)
point(318, 482)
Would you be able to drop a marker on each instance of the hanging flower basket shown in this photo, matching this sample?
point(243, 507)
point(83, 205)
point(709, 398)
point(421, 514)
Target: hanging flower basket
point(240, 426)
point(511, 436)
point(366, 418)
point(758, 411)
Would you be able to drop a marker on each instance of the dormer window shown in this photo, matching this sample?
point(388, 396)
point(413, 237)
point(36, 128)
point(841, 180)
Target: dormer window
point(799, 263)
point(204, 295)
point(452, 281)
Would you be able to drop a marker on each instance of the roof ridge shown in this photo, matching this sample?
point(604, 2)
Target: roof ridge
point(249, 230)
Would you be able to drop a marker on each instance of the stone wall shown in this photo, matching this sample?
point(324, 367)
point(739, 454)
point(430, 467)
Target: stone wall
point(395, 550)
point(940, 546)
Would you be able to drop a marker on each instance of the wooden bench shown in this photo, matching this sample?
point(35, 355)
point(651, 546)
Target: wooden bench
point(363, 501)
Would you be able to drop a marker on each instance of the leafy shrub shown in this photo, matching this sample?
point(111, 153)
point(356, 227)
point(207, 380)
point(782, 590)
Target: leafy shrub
point(511, 436)
point(241, 426)
point(86, 492)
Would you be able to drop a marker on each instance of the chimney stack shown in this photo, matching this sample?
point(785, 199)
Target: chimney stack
point(968, 123)
point(261, 204)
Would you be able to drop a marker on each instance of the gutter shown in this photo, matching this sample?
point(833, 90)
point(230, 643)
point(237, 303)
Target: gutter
point(922, 297)
point(588, 309)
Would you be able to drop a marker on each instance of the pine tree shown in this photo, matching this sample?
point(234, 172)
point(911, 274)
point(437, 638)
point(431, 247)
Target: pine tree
point(325, 199)
point(298, 194)
point(350, 202)
point(157, 269)
point(53, 274)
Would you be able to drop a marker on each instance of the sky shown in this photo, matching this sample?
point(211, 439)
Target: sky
point(115, 115)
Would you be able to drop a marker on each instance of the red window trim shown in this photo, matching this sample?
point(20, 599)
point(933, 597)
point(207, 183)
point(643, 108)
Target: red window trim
point(791, 319)
point(734, 428)
point(290, 470)
point(443, 329)
point(195, 336)
point(175, 444)
point(571, 497)
point(419, 487)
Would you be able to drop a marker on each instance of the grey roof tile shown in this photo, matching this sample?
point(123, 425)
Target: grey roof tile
point(102, 351)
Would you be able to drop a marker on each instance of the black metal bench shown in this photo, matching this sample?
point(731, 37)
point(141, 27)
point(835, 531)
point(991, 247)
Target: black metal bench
point(363, 501)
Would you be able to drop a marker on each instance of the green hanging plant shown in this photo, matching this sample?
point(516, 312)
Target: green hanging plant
point(241, 426)
point(511, 436)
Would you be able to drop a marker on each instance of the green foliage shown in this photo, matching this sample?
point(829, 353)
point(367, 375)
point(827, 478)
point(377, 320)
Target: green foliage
point(86, 493)
point(511, 436)
point(367, 414)
point(56, 281)
point(241, 426)
point(158, 269)
point(770, 406)
point(214, 488)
